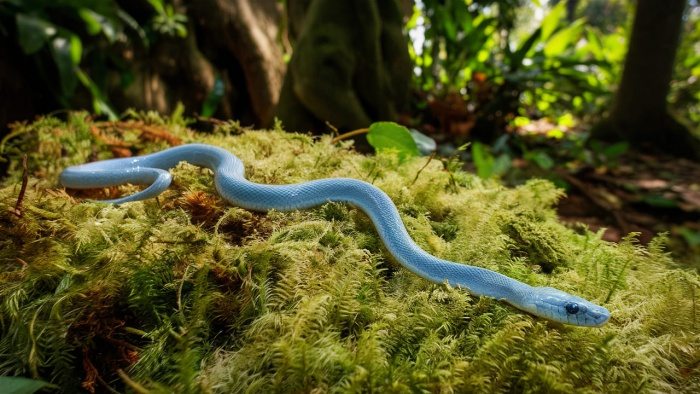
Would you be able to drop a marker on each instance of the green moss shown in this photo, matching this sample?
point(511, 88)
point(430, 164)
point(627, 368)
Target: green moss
point(187, 293)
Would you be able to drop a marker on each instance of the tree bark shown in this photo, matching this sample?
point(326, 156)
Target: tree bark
point(350, 65)
point(247, 29)
point(639, 114)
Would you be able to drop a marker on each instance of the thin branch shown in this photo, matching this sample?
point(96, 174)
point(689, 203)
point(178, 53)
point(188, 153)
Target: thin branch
point(432, 156)
point(349, 134)
point(23, 189)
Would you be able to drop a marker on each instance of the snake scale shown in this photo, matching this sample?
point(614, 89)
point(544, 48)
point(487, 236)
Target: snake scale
point(152, 169)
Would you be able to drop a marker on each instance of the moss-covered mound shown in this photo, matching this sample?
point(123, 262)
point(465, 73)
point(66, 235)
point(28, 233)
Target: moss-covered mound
point(186, 293)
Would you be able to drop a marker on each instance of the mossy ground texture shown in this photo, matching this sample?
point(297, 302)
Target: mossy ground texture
point(187, 293)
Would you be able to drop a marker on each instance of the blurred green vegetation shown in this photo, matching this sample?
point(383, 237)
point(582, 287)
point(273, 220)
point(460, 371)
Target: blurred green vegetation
point(75, 42)
point(513, 61)
point(509, 60)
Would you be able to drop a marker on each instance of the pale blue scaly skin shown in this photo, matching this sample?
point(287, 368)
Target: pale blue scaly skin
point(230, 182)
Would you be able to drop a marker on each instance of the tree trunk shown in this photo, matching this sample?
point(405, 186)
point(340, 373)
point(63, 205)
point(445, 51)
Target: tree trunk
point(350, 65)
point(248, 30)
point(639, 114)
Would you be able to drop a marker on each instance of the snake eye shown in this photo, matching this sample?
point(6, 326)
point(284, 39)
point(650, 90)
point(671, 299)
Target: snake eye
point(571, 308)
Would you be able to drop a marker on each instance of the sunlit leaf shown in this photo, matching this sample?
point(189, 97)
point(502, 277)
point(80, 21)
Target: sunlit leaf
point(521, 52)
point(521, 121)
point(555, 133)
point(93, 21)
point(33, 32)
point(96, 23)
point(566, 120)
point(595, 46)
point(563, 39)
point(551, 21)
point(390, 136)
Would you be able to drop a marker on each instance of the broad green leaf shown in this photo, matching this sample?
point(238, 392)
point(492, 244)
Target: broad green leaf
point(64, 53)
point(33, 32)
point(551, 21)
point(425, 144)
point(96, 23)
point(483, 160)
point(595, 46)
point(563, 39)
point(17, 385)
point(386, 136)
point(99, 102)
point(157, 5)
point(93, 21)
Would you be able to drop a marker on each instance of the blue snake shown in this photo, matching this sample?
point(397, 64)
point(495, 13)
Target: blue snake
point(152, 170)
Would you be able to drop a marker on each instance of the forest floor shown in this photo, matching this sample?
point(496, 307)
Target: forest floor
point(648, 194)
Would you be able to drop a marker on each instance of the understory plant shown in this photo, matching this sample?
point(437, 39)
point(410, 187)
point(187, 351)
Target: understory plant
point(187, 293)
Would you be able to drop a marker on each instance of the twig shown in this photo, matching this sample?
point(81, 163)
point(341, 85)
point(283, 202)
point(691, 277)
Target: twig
point(432, 156)
point(349, 134)
point(23, 189)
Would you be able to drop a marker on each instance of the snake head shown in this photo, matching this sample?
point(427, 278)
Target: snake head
point(566, 308)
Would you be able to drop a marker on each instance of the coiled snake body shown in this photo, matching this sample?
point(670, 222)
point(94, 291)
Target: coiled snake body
point(230, 182)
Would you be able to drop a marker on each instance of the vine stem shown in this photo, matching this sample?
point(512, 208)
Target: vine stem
point(349, 134)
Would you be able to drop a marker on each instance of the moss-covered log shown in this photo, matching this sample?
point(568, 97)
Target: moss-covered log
point(186, 293)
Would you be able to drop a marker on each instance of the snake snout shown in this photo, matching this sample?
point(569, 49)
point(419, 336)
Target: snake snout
point(569, 309)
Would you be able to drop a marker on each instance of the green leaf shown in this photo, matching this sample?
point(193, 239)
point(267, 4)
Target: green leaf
point(211, 103)
point(518, 56)
point(99, 102)
point(33, 32)
point(17, 385)
point(390, 136)
point(541, 158)
point(483, 160)
point(551, 21)
point(615, 150)
point(563, 39)
point(658, 201)
point(501, 165)
point(93, 21)
point(425, 144)
point(96, 23)
point(66, 50)
point(691, 237)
